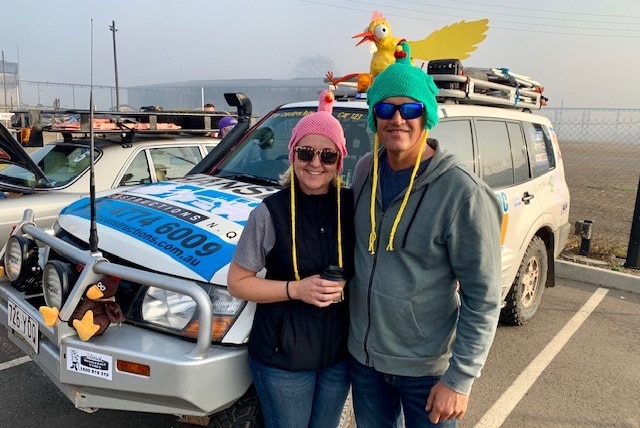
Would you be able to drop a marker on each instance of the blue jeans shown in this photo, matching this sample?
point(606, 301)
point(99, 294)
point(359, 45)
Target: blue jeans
point(301, 399)
point(378, 398)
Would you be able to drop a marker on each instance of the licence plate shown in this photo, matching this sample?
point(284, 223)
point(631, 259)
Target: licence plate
point(24, 324)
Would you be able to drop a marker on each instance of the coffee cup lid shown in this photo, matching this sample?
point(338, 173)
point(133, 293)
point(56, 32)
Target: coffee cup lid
point(334, 273)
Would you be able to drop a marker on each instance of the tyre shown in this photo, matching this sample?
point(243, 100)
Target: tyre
point(525, 295)
point(244, 413)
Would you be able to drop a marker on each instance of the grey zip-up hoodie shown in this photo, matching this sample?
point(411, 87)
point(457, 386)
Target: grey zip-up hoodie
point(406, 317)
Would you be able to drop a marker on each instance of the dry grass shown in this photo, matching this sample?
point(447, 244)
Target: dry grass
point(603, 183)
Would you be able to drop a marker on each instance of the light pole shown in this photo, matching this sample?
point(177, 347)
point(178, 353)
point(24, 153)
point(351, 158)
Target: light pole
point(113, 29)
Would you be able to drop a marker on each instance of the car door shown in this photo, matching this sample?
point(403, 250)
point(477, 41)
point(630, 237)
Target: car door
point(18, 172)
point(504, 164)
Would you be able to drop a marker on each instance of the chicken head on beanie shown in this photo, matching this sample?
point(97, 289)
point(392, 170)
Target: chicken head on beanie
point(322, 123)
point(402, 79)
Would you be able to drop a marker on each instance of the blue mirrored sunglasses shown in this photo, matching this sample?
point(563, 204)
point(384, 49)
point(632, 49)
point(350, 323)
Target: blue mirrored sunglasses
point(407, 110)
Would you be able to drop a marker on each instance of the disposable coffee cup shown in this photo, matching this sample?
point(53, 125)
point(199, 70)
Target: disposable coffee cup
point(337, 274)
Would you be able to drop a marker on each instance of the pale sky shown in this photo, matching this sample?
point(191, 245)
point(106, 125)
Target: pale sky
point(585, 52)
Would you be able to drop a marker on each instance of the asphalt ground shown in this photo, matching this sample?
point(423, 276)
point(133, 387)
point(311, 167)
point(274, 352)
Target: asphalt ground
point(575, 364)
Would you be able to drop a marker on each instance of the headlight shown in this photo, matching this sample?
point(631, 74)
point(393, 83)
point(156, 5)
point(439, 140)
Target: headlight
point(56, 279)
point(21, 263)
point(178, 312)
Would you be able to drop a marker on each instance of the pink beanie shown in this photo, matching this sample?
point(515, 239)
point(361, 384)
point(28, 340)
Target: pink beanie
point(322, 123)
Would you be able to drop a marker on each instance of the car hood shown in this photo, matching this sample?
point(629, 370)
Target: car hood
point(12, 152)
point(187, 227)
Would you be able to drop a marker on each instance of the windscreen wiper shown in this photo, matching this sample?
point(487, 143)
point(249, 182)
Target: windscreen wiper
point(250, 178)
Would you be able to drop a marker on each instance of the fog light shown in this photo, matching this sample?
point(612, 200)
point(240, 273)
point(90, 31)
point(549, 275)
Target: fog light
point(21, 263)
point(56, 280)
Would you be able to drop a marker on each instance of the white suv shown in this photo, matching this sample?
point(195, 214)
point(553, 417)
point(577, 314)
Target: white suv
point(518, 155)
point(170, 245)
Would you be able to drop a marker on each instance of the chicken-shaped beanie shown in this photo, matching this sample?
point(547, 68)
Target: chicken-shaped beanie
point(453, 41)
point(96, 311)
point(322, 123)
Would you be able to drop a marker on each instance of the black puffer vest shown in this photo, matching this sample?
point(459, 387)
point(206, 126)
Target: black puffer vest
point(294, 335)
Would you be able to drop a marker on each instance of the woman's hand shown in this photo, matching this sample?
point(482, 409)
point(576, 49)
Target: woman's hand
point(315, 291)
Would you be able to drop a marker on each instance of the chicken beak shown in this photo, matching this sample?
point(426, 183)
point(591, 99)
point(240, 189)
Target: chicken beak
point(367, 36)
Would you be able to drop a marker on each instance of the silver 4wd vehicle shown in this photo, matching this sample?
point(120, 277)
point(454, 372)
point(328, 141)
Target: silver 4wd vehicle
point(182, 346)
point(127, 152)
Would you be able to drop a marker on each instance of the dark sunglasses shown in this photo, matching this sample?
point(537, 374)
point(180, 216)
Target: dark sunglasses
point(407, 110)
point(327, 156)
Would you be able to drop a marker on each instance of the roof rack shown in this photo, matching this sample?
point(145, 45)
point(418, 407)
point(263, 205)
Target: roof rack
point(129, 123)
point(485, 86)
point(496, 87)
point(110, 121)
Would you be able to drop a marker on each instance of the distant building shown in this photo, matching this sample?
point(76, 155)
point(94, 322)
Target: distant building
point(264, 94)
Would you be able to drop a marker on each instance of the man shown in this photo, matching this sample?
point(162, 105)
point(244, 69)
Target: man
point(423, 223)
point(225, 125)
point(209, 107)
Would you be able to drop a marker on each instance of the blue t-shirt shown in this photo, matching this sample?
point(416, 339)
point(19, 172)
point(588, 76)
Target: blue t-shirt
point(393, 183)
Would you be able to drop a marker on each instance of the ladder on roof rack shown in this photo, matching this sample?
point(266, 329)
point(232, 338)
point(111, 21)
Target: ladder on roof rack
point(77, 121)
point(30, 125)
point(486, 86)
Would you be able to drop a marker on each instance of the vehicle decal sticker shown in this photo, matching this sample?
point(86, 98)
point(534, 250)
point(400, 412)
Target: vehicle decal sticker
point(163, 228)
point(225, 185)
point(227, 205)
point(90, 363)
point(173, 210)
point(502, 198)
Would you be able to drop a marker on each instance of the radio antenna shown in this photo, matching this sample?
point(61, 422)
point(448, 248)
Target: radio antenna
point(93, 228)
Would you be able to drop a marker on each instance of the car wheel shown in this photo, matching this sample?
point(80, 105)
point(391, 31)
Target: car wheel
point(525, 294)
point(244, 413)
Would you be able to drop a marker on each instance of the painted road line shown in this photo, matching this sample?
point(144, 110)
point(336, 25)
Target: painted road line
point(501, 409)
point(13, 363)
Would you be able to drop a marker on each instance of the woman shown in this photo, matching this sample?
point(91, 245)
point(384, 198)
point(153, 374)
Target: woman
point(297, 346)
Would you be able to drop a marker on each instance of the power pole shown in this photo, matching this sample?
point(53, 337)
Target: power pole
point(18, 77)
point(4, 80)
point(113, 29)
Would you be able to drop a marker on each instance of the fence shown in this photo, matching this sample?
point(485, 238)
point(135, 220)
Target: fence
point(601, 153)
point(600, 147)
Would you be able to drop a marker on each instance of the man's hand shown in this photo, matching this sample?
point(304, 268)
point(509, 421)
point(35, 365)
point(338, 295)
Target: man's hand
point(444, 403)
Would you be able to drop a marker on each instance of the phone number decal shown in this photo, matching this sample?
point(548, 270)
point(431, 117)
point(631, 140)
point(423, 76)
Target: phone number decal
point(189, 245)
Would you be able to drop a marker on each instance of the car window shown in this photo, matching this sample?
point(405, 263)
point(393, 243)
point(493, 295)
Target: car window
point(137, 172)
point(264, 154)
point(494, 149)
point(518, 153)
point(17, 176)
point(61, 164)
point(166, 163)
point(455, 136)
point(541, 148)
point(174, 162)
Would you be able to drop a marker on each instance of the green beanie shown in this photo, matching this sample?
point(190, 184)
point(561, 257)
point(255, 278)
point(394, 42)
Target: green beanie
point(402, 79)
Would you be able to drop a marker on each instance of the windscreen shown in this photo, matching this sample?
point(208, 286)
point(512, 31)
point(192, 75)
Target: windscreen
point(61, 164)
point(263, 155)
